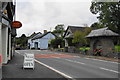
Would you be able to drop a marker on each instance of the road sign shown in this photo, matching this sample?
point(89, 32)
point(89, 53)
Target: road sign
point(28, 61)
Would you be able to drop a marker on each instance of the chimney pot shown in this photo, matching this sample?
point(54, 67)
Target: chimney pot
point(45, 31)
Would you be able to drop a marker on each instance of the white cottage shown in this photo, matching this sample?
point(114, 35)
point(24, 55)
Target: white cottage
point(30, 41)
point(41, 42)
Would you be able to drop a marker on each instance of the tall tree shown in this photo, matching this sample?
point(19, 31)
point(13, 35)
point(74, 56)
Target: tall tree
point(59, 29)
point(96, 25)
point(108, 14)
point(22, 41)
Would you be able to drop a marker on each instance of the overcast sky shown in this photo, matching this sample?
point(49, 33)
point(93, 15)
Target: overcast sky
point(39, 15)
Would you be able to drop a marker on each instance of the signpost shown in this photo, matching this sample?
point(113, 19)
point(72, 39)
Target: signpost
point(28, 61)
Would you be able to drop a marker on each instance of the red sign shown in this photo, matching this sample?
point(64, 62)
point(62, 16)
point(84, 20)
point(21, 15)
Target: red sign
point(16, 24)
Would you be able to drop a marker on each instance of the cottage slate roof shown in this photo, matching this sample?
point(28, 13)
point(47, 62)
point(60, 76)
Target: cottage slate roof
point(34, 35)
point(73, 29)
point(40, 36)
point(101, 32)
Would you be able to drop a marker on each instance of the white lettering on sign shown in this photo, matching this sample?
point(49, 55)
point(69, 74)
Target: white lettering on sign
point(28, 61)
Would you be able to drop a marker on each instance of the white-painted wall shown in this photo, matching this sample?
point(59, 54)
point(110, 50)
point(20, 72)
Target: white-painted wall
point(4, 44)
point(42, 42)
point(10, 54)
point(32, 42)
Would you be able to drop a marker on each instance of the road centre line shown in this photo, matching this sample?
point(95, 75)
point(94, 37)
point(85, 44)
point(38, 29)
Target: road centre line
point(97, 67)
point(70, 60)
point(87, 58)
point(57, 57)
point(74, 61)
point(61, 73)
point(109, 70)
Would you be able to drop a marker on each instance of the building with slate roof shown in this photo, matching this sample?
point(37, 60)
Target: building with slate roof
point(30, 42)
point(69, 34)
point(102, 39)
point(41, 41)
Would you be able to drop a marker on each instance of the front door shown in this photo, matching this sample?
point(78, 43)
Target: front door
point(36, 45)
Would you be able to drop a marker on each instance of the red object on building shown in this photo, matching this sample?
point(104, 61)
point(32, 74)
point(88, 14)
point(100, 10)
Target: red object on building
point(16, 24)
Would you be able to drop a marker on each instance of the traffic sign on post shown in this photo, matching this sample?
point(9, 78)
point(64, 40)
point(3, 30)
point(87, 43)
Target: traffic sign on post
point(28, 61)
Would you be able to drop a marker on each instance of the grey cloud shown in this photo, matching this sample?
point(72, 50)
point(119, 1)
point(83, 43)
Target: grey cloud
point(37, 16)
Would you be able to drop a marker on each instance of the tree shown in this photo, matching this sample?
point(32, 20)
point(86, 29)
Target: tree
point(96, 25)
point(22, 41)
point(108, 14)
point(55, 42)
point(59, 29)
point(79, 37)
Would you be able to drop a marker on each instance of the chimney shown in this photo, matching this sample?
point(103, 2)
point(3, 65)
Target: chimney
point(45, 31)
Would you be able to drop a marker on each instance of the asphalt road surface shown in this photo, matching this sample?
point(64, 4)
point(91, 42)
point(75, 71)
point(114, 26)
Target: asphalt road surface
point(73, 66)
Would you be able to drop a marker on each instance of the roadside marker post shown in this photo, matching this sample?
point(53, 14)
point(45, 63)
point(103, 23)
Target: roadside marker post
point(28, 61)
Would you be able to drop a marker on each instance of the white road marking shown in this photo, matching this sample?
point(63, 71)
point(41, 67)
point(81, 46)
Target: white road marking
point(74, 61)
point(109, 70)
point(106, 61)
point(61, 73)
point(101, 60)
point(57, 57)
point(67, 76)
point(87, 58)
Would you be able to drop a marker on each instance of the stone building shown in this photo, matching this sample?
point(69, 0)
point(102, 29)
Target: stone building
point(102, 38)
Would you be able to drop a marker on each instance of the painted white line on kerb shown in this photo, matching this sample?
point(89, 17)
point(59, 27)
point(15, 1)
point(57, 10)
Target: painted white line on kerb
point(61, 73)
point(108, 70)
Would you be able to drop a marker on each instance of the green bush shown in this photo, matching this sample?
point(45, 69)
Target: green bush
point(84, 48)
point(117, 48)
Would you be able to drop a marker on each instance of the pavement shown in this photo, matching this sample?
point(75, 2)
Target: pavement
point(14, 71)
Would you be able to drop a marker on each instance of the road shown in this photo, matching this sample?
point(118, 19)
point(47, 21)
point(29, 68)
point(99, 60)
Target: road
point(74, 66)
